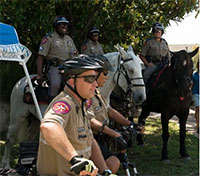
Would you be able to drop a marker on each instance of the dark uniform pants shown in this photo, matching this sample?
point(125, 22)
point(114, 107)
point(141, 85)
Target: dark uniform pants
point(55, 81)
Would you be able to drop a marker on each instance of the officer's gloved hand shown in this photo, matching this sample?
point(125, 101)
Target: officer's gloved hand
point(121, 143)
point(81, 164)
point(40, 80)
point(108, 172)
point(131, 128)
point(134, 128)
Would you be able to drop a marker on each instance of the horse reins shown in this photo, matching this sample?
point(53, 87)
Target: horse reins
point(121, 70)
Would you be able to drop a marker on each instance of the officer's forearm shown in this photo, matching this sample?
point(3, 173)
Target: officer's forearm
point(119, 118)
point(144, 60)
point(97, 157)
point(40, 64)
point(57, 139)
point(96, 125)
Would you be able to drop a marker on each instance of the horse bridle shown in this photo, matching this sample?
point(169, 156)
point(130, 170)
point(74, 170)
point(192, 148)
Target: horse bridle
point(179, 79)
point(122, 70)
point(182, 78)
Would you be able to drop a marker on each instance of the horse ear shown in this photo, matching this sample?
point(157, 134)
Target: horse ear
point(122, 52)
point(193, 53)
point(117, 47)
point(130, 48)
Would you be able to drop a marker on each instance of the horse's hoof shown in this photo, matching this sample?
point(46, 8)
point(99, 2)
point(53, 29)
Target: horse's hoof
point(166, 161)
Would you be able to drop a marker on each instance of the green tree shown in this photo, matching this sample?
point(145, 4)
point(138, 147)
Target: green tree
point(120, 21)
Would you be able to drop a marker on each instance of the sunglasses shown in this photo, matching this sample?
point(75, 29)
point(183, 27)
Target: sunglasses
point(157, 31)
point(88, 78)
point(95, 34)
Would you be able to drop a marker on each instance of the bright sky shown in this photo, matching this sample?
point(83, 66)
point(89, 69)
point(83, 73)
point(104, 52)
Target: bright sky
point(185, 32)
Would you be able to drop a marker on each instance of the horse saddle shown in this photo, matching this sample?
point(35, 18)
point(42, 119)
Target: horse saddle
point(41, 92)
point(153, 80)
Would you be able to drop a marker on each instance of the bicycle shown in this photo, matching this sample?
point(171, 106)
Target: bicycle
point(127, 132)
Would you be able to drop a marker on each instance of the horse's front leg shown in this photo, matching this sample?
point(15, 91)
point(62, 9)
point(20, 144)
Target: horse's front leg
point(5, 163)
point(141, 121)
point(182, 133)
point(165, 136)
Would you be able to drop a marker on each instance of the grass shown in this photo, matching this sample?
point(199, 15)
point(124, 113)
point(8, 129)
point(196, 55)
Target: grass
point(147, 158)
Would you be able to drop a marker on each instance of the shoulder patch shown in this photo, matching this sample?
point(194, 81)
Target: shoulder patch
point(165, 41)
point(84, 47)
point(147, 41)
point(61, 107)
point(44, 40)
point(88, 103)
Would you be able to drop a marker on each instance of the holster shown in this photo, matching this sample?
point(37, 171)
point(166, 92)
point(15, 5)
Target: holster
point(55, 62)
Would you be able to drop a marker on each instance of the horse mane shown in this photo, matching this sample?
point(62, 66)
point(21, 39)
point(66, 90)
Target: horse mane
point(111, 54)
point(177, 52)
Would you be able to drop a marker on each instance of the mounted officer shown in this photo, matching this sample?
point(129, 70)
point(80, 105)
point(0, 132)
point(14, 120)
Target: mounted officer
point(155, 51)
point(55, 48)
point(92, 46)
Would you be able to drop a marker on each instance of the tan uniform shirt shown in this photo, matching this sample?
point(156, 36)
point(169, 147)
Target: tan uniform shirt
point(155, 49)
point(99, 108)
point(54, 46)
point(92, 48)
point(67, 112)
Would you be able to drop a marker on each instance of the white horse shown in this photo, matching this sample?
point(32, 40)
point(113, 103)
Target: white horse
point(127, 67)
point(127, 75)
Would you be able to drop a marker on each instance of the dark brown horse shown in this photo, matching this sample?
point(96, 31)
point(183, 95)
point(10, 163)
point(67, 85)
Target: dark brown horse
point(170, 94)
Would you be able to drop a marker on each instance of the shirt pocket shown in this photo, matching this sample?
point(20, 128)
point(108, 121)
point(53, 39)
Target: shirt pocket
point(92, 49)
point(153, 50)
point(164, 50)
point(82, 135)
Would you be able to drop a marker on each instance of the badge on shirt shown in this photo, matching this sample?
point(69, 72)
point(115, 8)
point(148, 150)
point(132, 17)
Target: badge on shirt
point(58, 43)
point(61, 107)
point(44, 40)
point(69, 43)
point(97, 108)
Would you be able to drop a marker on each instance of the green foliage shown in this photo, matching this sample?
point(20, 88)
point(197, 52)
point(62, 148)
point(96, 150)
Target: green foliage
point(120, 21)
point(196, 58)
point(147, 158)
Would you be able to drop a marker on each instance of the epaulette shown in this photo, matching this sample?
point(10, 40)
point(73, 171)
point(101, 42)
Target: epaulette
point(48, 34)
point(148, 39)
point(165, 41)
point(85, 42)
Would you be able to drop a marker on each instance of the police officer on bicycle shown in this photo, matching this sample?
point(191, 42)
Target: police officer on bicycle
point(100, 112)
point(67, 146)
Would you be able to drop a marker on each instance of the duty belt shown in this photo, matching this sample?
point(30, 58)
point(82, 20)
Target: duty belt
point(151, 59)
point(156, 60)
point(55, 62)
